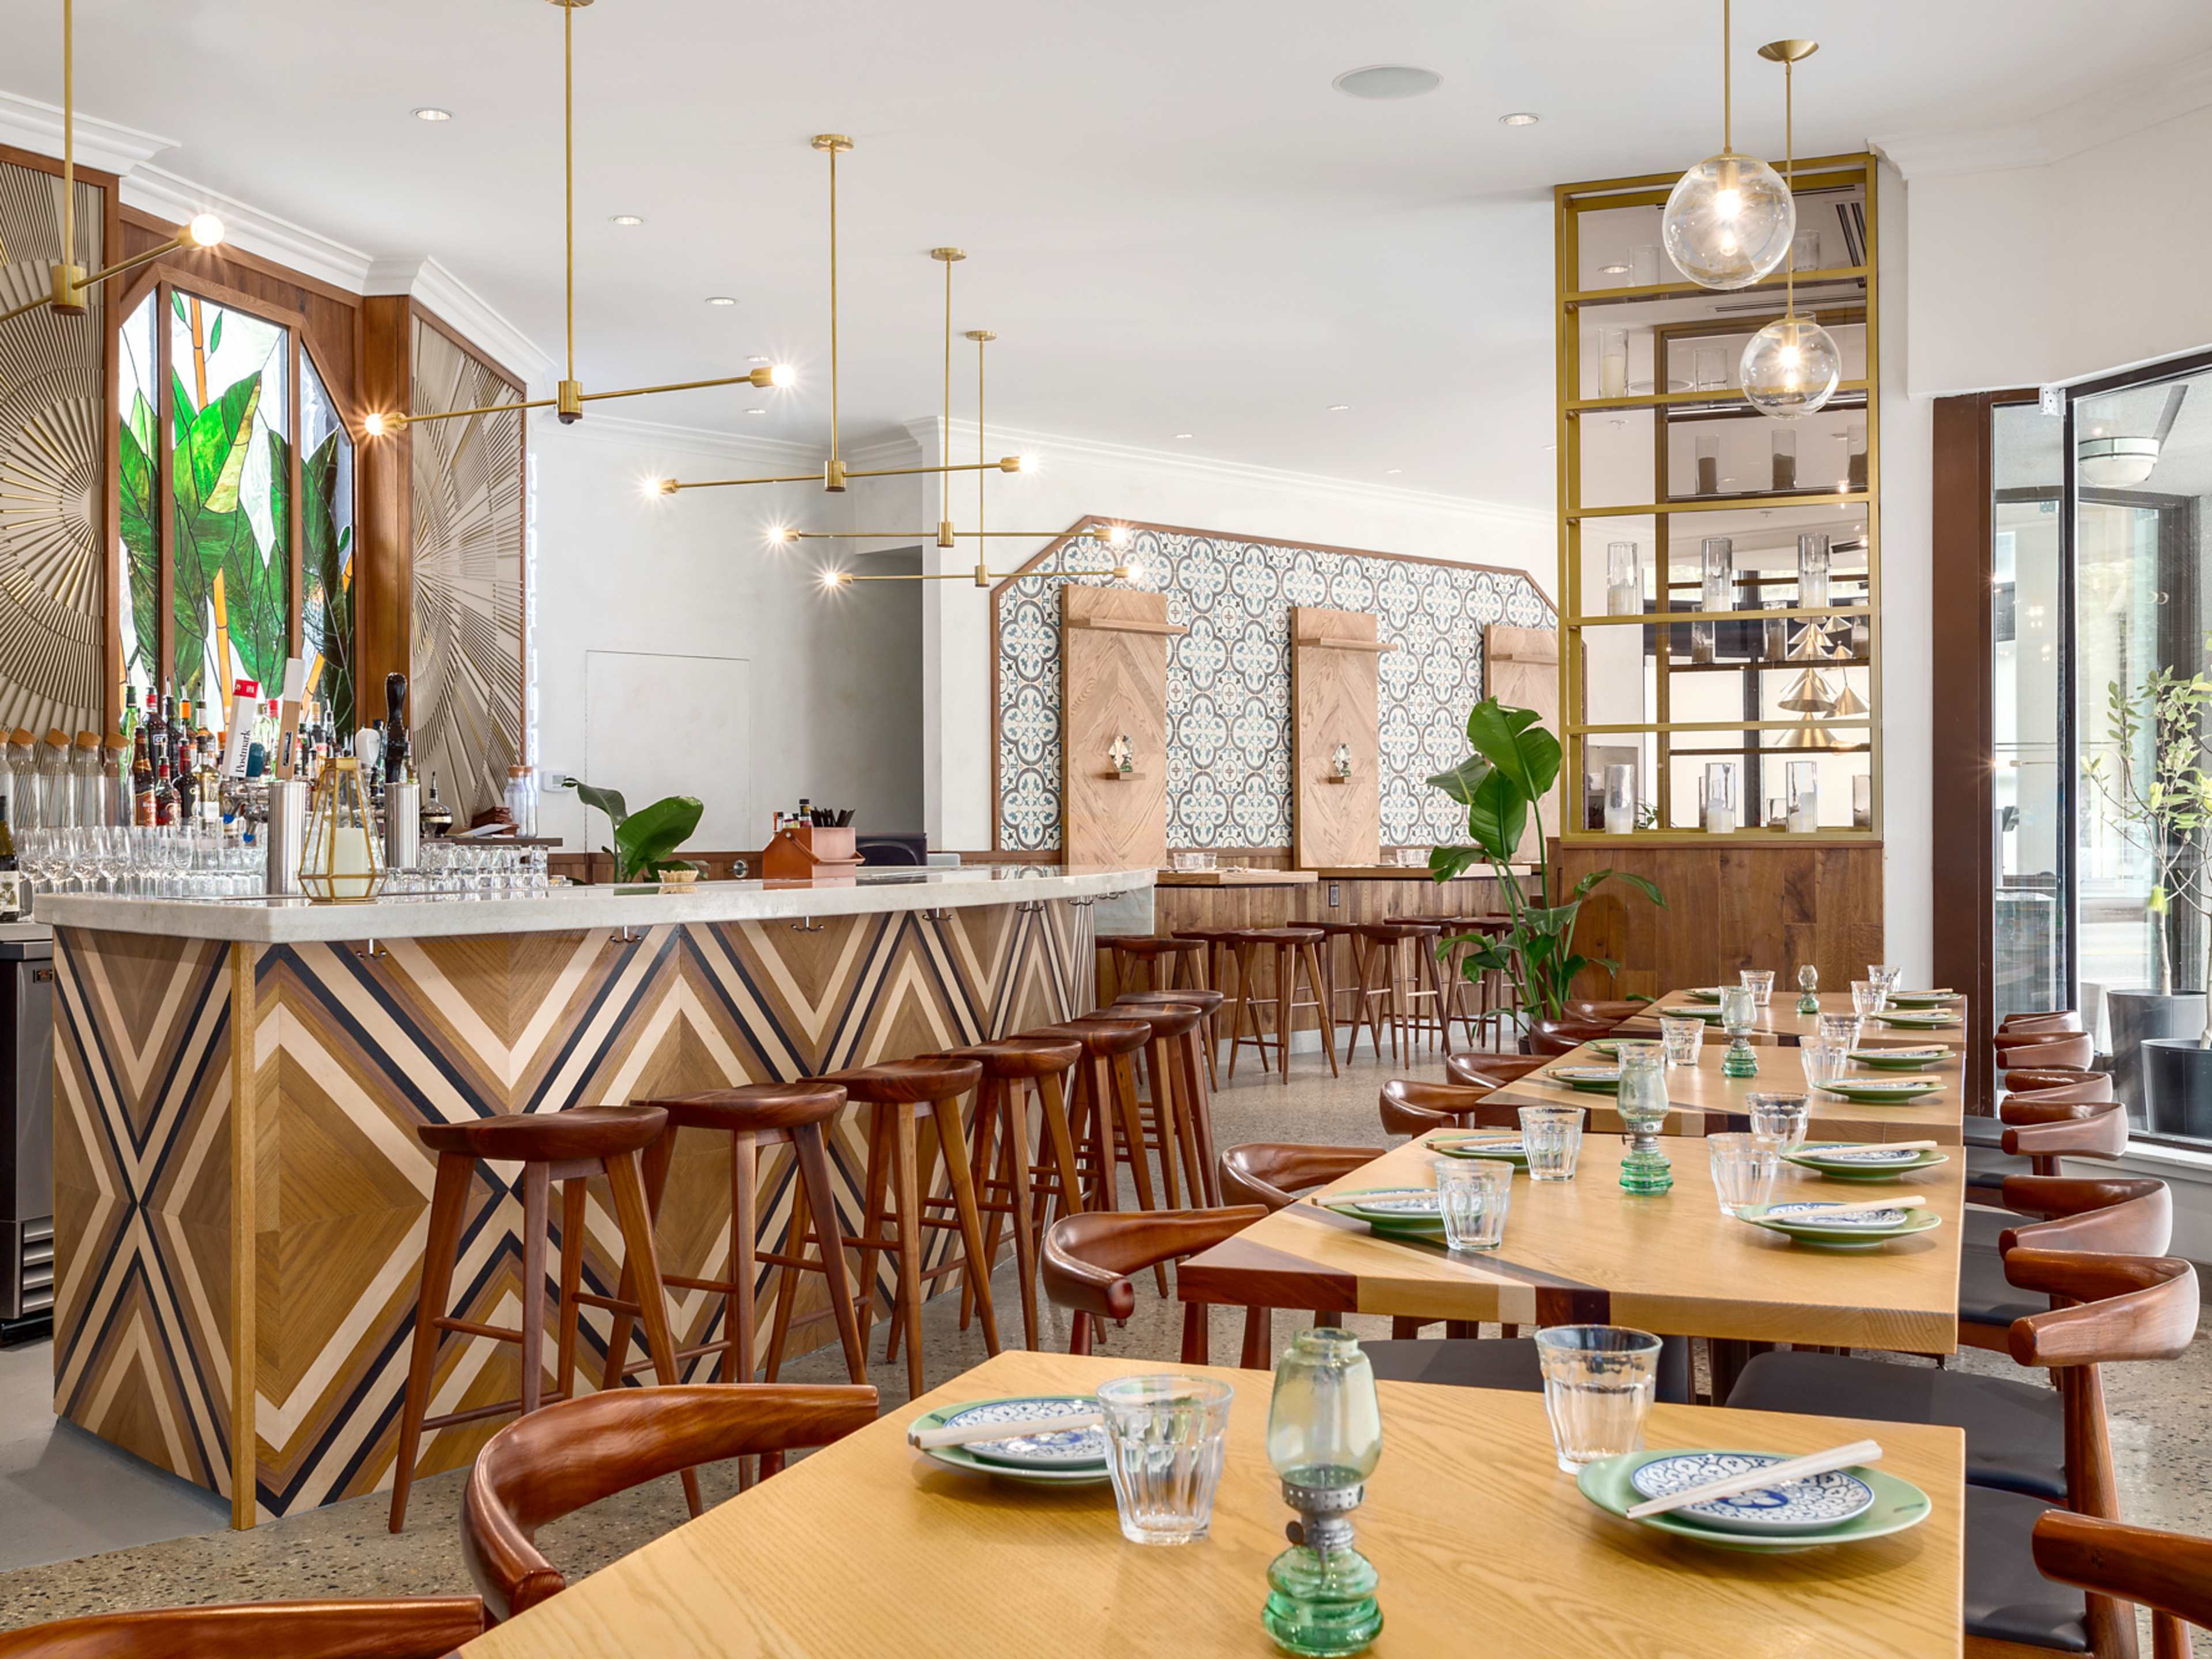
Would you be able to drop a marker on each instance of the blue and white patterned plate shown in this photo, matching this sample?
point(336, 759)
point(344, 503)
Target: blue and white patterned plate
point(1847, 1153)
point(1817, 1224)
point(1401, 1204)
point(1813, 1505)
point(1819, 1215)
point(1072, 1450)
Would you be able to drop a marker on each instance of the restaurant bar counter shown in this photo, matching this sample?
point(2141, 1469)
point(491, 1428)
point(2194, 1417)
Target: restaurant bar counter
point(217, 1195)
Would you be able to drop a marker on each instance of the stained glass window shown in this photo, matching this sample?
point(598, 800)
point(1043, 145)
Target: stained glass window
point(138, 375)
point(327, 548)
point(230, 418)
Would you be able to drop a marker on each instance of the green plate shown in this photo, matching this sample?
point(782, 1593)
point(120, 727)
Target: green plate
point(1898, 1504)
point(1610, 1049)
point(1881, 1091)
point(1590, 1079)
point(1924, 999)
point(1900, 1060)
point(1837, 1236)
point(1705, 993)
point(1809, 1158)
point(1417, 1224)
point(1688, 1011)
point(1916, 1020)
point(1504, 1148)
point(959, 1457)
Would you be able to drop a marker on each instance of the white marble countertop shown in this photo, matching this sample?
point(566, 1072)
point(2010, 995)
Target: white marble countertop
point(569, 909)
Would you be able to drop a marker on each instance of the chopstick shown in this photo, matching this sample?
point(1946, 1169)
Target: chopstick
point(1794, 1468)
point(1859, 1204)
point(931, 1439)
point(1885, 1146)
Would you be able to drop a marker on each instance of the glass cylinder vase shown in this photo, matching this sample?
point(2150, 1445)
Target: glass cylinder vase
point(1620, 798)
point(1624, 578)
point(1804, 779)
point(1716, 592)
point(1716, 799)
point(1811, 571)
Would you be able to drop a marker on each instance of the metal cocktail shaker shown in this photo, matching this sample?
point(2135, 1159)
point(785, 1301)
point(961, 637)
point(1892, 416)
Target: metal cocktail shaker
point(285, 834)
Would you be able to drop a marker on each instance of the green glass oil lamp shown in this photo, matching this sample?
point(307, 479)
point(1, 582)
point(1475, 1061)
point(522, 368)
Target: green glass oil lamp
point(1324, 1438)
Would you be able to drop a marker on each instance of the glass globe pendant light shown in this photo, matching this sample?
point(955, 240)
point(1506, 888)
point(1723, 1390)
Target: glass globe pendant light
point(1792, 366)
point(1729, 219)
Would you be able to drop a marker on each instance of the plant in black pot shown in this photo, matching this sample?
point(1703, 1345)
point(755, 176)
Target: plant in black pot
point(2157, 795)
point(1502, 785)
point(644, 839)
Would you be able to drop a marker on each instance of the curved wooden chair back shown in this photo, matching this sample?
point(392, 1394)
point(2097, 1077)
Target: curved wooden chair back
point(2168, 1572)
point(2049, 1019)
point(2056, 1086)
point(2045, 1131)
point(2118, 1215)
point(1491, 1071)
point(1410, 1107)
point(1608, 1014)
point(1273, 1173)
point(416, 1628)
point(1088, 1258)
point(1554, 1038)
point(2045, 1048)
point(574, 1452)
point(2112, 1309)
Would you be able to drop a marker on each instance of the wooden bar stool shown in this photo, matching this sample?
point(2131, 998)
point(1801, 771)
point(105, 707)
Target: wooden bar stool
point(1171, 1062)
point(893, 1090)
point(1164, 963)
point(1295, 948)
point(1104, 1115)
point(1382, 947)
point(756, 1116)
point(1000, 1153)
point(1220, 960)
point(1166, 1114)
point(564, 1146)
point(1331, 986)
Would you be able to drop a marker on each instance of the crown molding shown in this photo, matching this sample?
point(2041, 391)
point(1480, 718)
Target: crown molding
point(770, 454)
point(167, 196)
point(460, 308)
point(29, 125)
point(2114, 112)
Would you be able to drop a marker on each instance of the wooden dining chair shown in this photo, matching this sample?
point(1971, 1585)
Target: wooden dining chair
point(1606, 1013)
point(425, 1627)
point(2037, 1129)
point(1550, 1039)
point(560, 1458)
point(2044, 1049)
point(2122, 1215)
point(1481, 1071)
point(2170, 1573)
point(2054, 1019)
point(1410, 1107)
point(1088, 1260)
point(1274, 1173)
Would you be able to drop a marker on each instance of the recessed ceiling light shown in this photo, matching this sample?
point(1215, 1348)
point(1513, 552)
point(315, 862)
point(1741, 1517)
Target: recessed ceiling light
point(1182, 434)
point(625, 219)
point(1394, 470)
point(1520, 117)
point(1612, 271)
point(1337, 409)
point(755, 360)
point(721, 299)
point(1387, 80)
point(428, 112)
point(757, 410)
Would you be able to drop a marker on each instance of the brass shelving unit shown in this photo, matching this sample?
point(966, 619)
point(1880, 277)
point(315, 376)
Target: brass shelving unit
point(1841, 296)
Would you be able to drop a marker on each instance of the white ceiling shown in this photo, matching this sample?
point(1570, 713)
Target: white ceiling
point(1174, 223)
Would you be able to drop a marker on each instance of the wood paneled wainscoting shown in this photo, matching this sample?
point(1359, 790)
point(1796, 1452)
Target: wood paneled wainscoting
point(1729, 905)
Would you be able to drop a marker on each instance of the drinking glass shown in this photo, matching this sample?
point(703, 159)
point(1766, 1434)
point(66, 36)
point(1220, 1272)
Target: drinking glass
point(1744, 1168)
point(1867, 998)
point(1841, 1031)
point(1165, 1436)
point(1783, 1118)
point(1598, 1384)
point(1552, 1137)
point(1473, 1195)
point(1759, 982)
point(1884, 976)
point(1682, 1036)
point(1823, 1062)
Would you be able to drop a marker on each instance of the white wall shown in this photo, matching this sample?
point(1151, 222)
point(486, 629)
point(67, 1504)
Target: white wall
point(1186, 492)
point(836, 677)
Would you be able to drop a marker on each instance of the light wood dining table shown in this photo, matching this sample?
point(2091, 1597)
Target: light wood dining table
point(867, 1548)
point(1780, 1024)
point(1703, 1100)
point(1585, 1251)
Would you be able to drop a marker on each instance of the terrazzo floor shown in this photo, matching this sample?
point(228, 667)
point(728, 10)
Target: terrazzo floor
point(2161, 1420)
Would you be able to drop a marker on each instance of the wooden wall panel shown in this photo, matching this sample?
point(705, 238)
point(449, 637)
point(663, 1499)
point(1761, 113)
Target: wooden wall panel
point(1114, 645)
point(1335, 657)
point(1728, 907)
point(1522, 671)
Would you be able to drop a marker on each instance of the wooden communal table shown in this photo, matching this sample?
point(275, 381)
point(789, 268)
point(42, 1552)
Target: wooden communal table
point(1584, 1251)
point(867, 1548)
point(1779, 1021)
point(1706, 1101)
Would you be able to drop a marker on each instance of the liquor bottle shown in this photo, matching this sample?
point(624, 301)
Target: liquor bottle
point(165, 734)
point(187, 788)
point(11, 878)
point(165, 797)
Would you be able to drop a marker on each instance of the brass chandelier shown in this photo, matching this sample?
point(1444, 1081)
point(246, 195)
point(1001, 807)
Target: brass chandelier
point(69, 287)
point(569, 396)
point(834, 473)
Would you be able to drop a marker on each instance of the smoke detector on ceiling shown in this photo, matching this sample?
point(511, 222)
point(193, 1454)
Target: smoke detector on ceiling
point(1387, 80)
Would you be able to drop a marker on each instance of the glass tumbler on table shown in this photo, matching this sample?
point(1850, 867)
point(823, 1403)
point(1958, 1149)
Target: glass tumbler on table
point(1165, 1438)
point(1783, 1118)
point(1552, 1138)
point(1473, 1195)
point(1867, 997)
point(1599, 1381)
point(1840, 1031)
point(1823, 1062)
point(1744, 1168)
point(1680, 1036)
point(1759, 982)
point(1885, 976)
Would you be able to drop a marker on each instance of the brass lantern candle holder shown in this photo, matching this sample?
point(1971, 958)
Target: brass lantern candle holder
point(341, 862)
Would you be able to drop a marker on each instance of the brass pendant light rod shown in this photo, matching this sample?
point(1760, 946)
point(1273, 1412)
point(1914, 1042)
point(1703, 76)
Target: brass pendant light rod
point(1787, 53)
point(569, 396)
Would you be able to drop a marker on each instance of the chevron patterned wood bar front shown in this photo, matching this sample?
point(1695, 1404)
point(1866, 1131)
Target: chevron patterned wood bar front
point(336, 1050)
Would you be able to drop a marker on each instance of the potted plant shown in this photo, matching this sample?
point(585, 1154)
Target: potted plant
point(1502, 785)
point(2158, 797)
point(644, 839)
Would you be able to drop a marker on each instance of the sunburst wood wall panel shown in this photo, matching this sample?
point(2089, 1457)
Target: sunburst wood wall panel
point(466, 626)
point(352, 1055)
point(53, 459)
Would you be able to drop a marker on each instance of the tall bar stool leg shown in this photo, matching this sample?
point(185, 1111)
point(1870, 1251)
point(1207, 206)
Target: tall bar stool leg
point(573, 1193)
point(953, 1149)
point(739, 1315)
point(906, 1181)
point(448, 1200)
point(1244, 1002)
point(880, 1138)
point(786, 1281)
point(1285, 987)
point(984, 1158)
point(629, 1193)
point(1052, 1100)
point(1017, 1153)
point(1311, 955)
point(622, 1323)
point(1428, 948)
point(1157, 1075)
point(535, 1189)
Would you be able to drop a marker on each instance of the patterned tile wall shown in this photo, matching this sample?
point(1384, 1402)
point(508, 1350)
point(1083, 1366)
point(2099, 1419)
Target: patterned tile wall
point(1229, 679)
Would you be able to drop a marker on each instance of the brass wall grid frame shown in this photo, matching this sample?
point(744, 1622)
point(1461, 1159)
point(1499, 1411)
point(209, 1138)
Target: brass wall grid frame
point(1841, 295)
